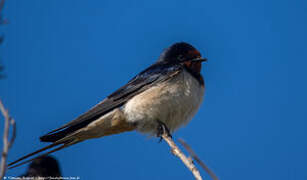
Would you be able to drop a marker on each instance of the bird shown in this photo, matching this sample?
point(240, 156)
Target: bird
point(160, 99)
point(45, 167)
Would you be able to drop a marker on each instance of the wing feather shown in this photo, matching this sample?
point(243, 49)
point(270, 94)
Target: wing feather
point(146, 79)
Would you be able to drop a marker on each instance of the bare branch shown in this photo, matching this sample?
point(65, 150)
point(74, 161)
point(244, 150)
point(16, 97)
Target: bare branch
point(177, 152)
point(197, 159)
point(6, 143)
point(13, 124)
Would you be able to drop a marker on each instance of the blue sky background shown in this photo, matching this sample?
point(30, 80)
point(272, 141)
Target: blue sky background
point(62, 57)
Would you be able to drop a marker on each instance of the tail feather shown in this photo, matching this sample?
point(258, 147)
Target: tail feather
point(24, 162)
point(56, 136)
point(111, 123)
point(64, 145)
point(34, 153)
point(53, 137)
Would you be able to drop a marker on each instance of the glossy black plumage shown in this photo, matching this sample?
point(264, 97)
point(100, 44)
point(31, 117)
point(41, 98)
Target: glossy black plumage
point(178, 52)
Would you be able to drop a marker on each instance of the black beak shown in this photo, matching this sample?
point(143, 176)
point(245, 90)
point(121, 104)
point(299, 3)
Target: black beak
point(200, 59)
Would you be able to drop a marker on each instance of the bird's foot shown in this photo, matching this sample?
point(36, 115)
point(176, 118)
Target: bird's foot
point(162, 129)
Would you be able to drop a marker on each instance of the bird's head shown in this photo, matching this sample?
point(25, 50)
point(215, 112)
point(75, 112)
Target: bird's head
point(183, 53)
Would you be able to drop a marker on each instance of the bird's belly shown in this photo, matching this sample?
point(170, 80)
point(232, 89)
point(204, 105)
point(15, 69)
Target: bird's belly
point(173, 102)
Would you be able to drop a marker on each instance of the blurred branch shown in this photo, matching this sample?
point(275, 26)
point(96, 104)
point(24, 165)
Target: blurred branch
point(1, 41)
point(177, 152)
point(197, 159)
point(1, 5)
point(8, 121)
point(1, 70)
point(2, 20)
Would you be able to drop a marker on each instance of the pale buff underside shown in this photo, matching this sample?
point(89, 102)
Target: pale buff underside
point(173, 102)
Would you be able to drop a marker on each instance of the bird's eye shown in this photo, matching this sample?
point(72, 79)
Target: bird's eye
point(180, 57)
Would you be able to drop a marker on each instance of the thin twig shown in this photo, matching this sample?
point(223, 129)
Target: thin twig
point(6, 142)
point(197, 159)
point(177, 152)
point(13, 124)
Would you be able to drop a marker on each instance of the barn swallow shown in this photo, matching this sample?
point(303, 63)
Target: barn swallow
point(164, 96)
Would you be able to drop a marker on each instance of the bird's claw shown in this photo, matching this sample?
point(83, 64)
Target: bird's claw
point(162, 129)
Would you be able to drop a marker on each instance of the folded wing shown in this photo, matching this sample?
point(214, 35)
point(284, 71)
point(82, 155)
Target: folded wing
point(146, 79)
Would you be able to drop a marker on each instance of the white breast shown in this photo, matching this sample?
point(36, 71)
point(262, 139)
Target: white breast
point(173, 102)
